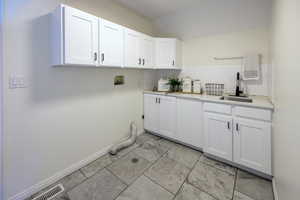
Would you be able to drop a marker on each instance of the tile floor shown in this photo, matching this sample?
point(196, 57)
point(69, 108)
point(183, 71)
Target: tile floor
point(158, 169)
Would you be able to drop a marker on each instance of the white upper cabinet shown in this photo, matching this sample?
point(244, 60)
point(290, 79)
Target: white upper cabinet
point(79, 38)
point(252, 144)
point(139, 50)
point(74, 37)
point(132, 48)
point(147, 51)
point(80, 41)
point(111, 44)
point(168, 53)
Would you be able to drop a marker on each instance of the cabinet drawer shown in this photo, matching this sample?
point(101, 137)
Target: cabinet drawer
point(253, 113)
point(218, 108)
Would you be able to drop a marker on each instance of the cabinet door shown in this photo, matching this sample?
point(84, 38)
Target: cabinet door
point(132, 53)
point(151, 113)
point(111, 44)
point(218, 135)
point(165, 53)
point(81, 37)
point(167, 116)
point(189, 122)
point(147, 51)
point(252, 144)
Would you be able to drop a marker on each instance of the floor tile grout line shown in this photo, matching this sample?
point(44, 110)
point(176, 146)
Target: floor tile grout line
point(117, 176)
point(235, 182)
point(186, 180)
point(198, 187)
point(154, 182)
point(152, 166)
point(128, 185)
point(191, 169)
point(163, 155)
point(219, 168)
point(86, 178)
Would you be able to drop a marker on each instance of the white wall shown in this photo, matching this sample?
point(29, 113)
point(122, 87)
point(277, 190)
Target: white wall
point(286, 137)
point(215, 17)
point(201, 50)
point(1, 98)
point(222, 29)
point(66, 113)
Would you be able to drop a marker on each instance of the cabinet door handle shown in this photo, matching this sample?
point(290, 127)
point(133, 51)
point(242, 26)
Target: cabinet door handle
point(140, 61)
point(237, 127)
point(173, 63)
point(143, 61)
point(155, 100)
point(159, 100)
point(102, 57)
point(95, 56)
point(228, 125)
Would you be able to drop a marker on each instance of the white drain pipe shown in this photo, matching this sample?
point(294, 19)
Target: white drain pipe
point(127, 142)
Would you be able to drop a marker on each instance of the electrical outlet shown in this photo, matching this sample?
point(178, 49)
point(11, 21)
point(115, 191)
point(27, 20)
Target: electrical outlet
point(17, 81)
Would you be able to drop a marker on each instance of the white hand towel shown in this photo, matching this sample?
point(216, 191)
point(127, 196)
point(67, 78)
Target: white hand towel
point(250, 68)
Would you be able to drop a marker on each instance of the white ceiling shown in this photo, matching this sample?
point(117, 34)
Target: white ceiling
point(157, 8)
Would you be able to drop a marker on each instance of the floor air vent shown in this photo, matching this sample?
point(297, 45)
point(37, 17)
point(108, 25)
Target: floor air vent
point(51, 193)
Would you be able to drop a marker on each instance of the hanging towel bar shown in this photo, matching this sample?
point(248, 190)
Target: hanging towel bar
point(230, 58)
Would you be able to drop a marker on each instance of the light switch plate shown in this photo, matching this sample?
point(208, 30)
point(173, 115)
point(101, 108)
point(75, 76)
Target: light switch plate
point(17, 81)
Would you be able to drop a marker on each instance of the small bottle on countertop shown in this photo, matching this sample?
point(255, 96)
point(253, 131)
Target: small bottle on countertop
point(187, 85)
point(197, 87)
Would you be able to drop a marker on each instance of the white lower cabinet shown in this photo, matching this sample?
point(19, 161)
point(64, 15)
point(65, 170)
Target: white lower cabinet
point(252, 144)
point(243, 141)
point(167, 116)
point(151, 113)
point(190, 122)
point(240, 135)
point(160, 115)
point(218, 135)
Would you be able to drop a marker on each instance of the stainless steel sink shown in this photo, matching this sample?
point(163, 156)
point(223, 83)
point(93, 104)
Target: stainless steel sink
point(236, 98)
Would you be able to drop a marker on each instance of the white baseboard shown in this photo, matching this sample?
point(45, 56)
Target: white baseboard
point(56, 177)
point(275, 189)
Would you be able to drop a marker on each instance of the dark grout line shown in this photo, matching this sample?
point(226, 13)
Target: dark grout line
point(186, 178)
point(156, 183)
point(128, 185)
point(147, 168)
point(119, 178)
point(223, 170)
point(186, 181)
point(235, 182)
point(163, 155)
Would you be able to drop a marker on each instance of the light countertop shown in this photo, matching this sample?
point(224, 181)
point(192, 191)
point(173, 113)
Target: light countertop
point(258, 101)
